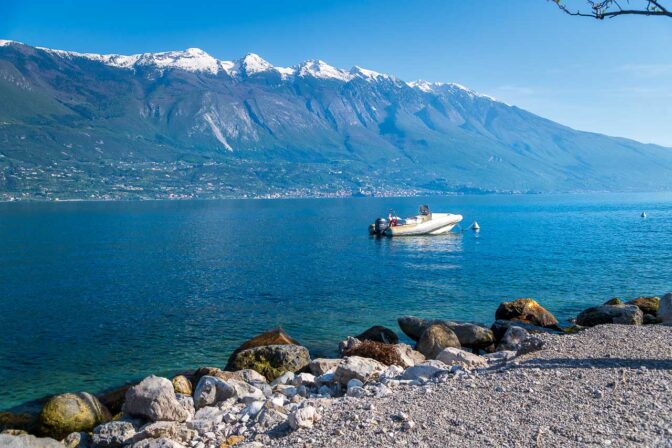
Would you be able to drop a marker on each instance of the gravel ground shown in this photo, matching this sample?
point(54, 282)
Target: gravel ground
point(610, 385)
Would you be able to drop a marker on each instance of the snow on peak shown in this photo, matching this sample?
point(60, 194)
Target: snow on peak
point(369, 75)
point(320, 69)
point(253, 63)
point(4, 43)
point(192, 60)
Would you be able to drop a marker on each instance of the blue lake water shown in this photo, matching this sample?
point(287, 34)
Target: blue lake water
point(95, 294)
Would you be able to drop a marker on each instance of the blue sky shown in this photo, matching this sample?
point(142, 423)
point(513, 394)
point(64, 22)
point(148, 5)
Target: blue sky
point(612, 76)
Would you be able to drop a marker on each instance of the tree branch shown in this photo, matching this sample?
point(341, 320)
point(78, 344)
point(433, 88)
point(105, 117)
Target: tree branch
point(611, 8)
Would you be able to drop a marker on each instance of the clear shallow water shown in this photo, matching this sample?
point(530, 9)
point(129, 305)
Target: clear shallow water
point(95, 294)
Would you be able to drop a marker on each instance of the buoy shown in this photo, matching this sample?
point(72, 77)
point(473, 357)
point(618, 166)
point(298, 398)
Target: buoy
point(643, 215)
point(475, 227)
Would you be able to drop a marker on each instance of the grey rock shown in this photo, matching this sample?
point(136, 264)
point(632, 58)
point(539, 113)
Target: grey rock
point(530, 345)
point(348, 344)
point(423, 372)
point(113, 434)
point(665, 309)
point(378, 333)
point(500, 326)
point(211, 390)
point(285, 378)
point(154, 399)
point(610, 314)
point(77, 440)
point(27, 441)
point(162, 442)
point(512, 339)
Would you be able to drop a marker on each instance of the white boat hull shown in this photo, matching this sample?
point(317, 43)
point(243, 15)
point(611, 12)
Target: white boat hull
point(440, 223)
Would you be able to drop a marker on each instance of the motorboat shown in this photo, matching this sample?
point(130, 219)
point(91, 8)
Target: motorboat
point(424, 223)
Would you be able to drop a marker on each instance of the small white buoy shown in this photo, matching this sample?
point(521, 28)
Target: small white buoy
point(475, 227)
point(643, 215)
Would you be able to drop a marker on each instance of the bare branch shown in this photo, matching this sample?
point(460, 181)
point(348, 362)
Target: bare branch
point(611, 8)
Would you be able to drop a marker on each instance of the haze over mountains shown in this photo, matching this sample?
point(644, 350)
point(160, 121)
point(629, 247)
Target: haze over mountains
point(183, 124)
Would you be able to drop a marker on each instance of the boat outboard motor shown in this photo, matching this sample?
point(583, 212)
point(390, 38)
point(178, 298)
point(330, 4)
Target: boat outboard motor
point(381, 226)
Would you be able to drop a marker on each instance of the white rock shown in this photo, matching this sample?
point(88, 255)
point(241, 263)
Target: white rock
point(364, 369)
point(253, 408)
point(320, 366)
point(285, 378)
point(391, 372)
point(423, 371)
point(452, 356)
point(303, 417)
point(305, 379)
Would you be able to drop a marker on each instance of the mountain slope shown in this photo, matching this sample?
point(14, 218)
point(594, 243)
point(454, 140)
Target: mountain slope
point(184, 123)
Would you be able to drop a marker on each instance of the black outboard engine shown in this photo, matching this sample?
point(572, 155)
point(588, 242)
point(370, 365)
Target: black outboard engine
point(380, 226)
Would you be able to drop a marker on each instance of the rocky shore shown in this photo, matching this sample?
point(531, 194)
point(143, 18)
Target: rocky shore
point(522, 381)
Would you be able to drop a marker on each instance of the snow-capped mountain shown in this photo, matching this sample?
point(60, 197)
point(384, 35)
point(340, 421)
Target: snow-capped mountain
point(309, 125)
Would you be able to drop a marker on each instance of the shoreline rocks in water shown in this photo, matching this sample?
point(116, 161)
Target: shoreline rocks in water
point(267, 393)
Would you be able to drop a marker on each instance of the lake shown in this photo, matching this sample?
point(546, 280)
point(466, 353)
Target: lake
point(94, 294)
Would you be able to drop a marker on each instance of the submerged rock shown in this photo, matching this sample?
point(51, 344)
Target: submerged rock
point(277, 336)
point(610, 314)
point(154, 399)
point(378, 333)
point(272, 360)
point(67, 413)
point(527, 311)
point(648, 305)
point(435, 338)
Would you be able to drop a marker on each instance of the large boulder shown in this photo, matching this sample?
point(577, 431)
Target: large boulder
point(388, 354)
point(454, 356)
point(154, 399)
point(271, 360)
point(610, 314)
point(67, 413)
point(211, 390)
point(378, 333)
point(648, 305)
point(363, 369)
point(665, 309)
point(277, 336)
point(470, 335)
point(527, 311)
point(27, 441)
point(435, 338)
point(500, 326)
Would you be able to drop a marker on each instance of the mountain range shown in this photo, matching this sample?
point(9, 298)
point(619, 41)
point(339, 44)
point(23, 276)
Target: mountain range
point(185, 124)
